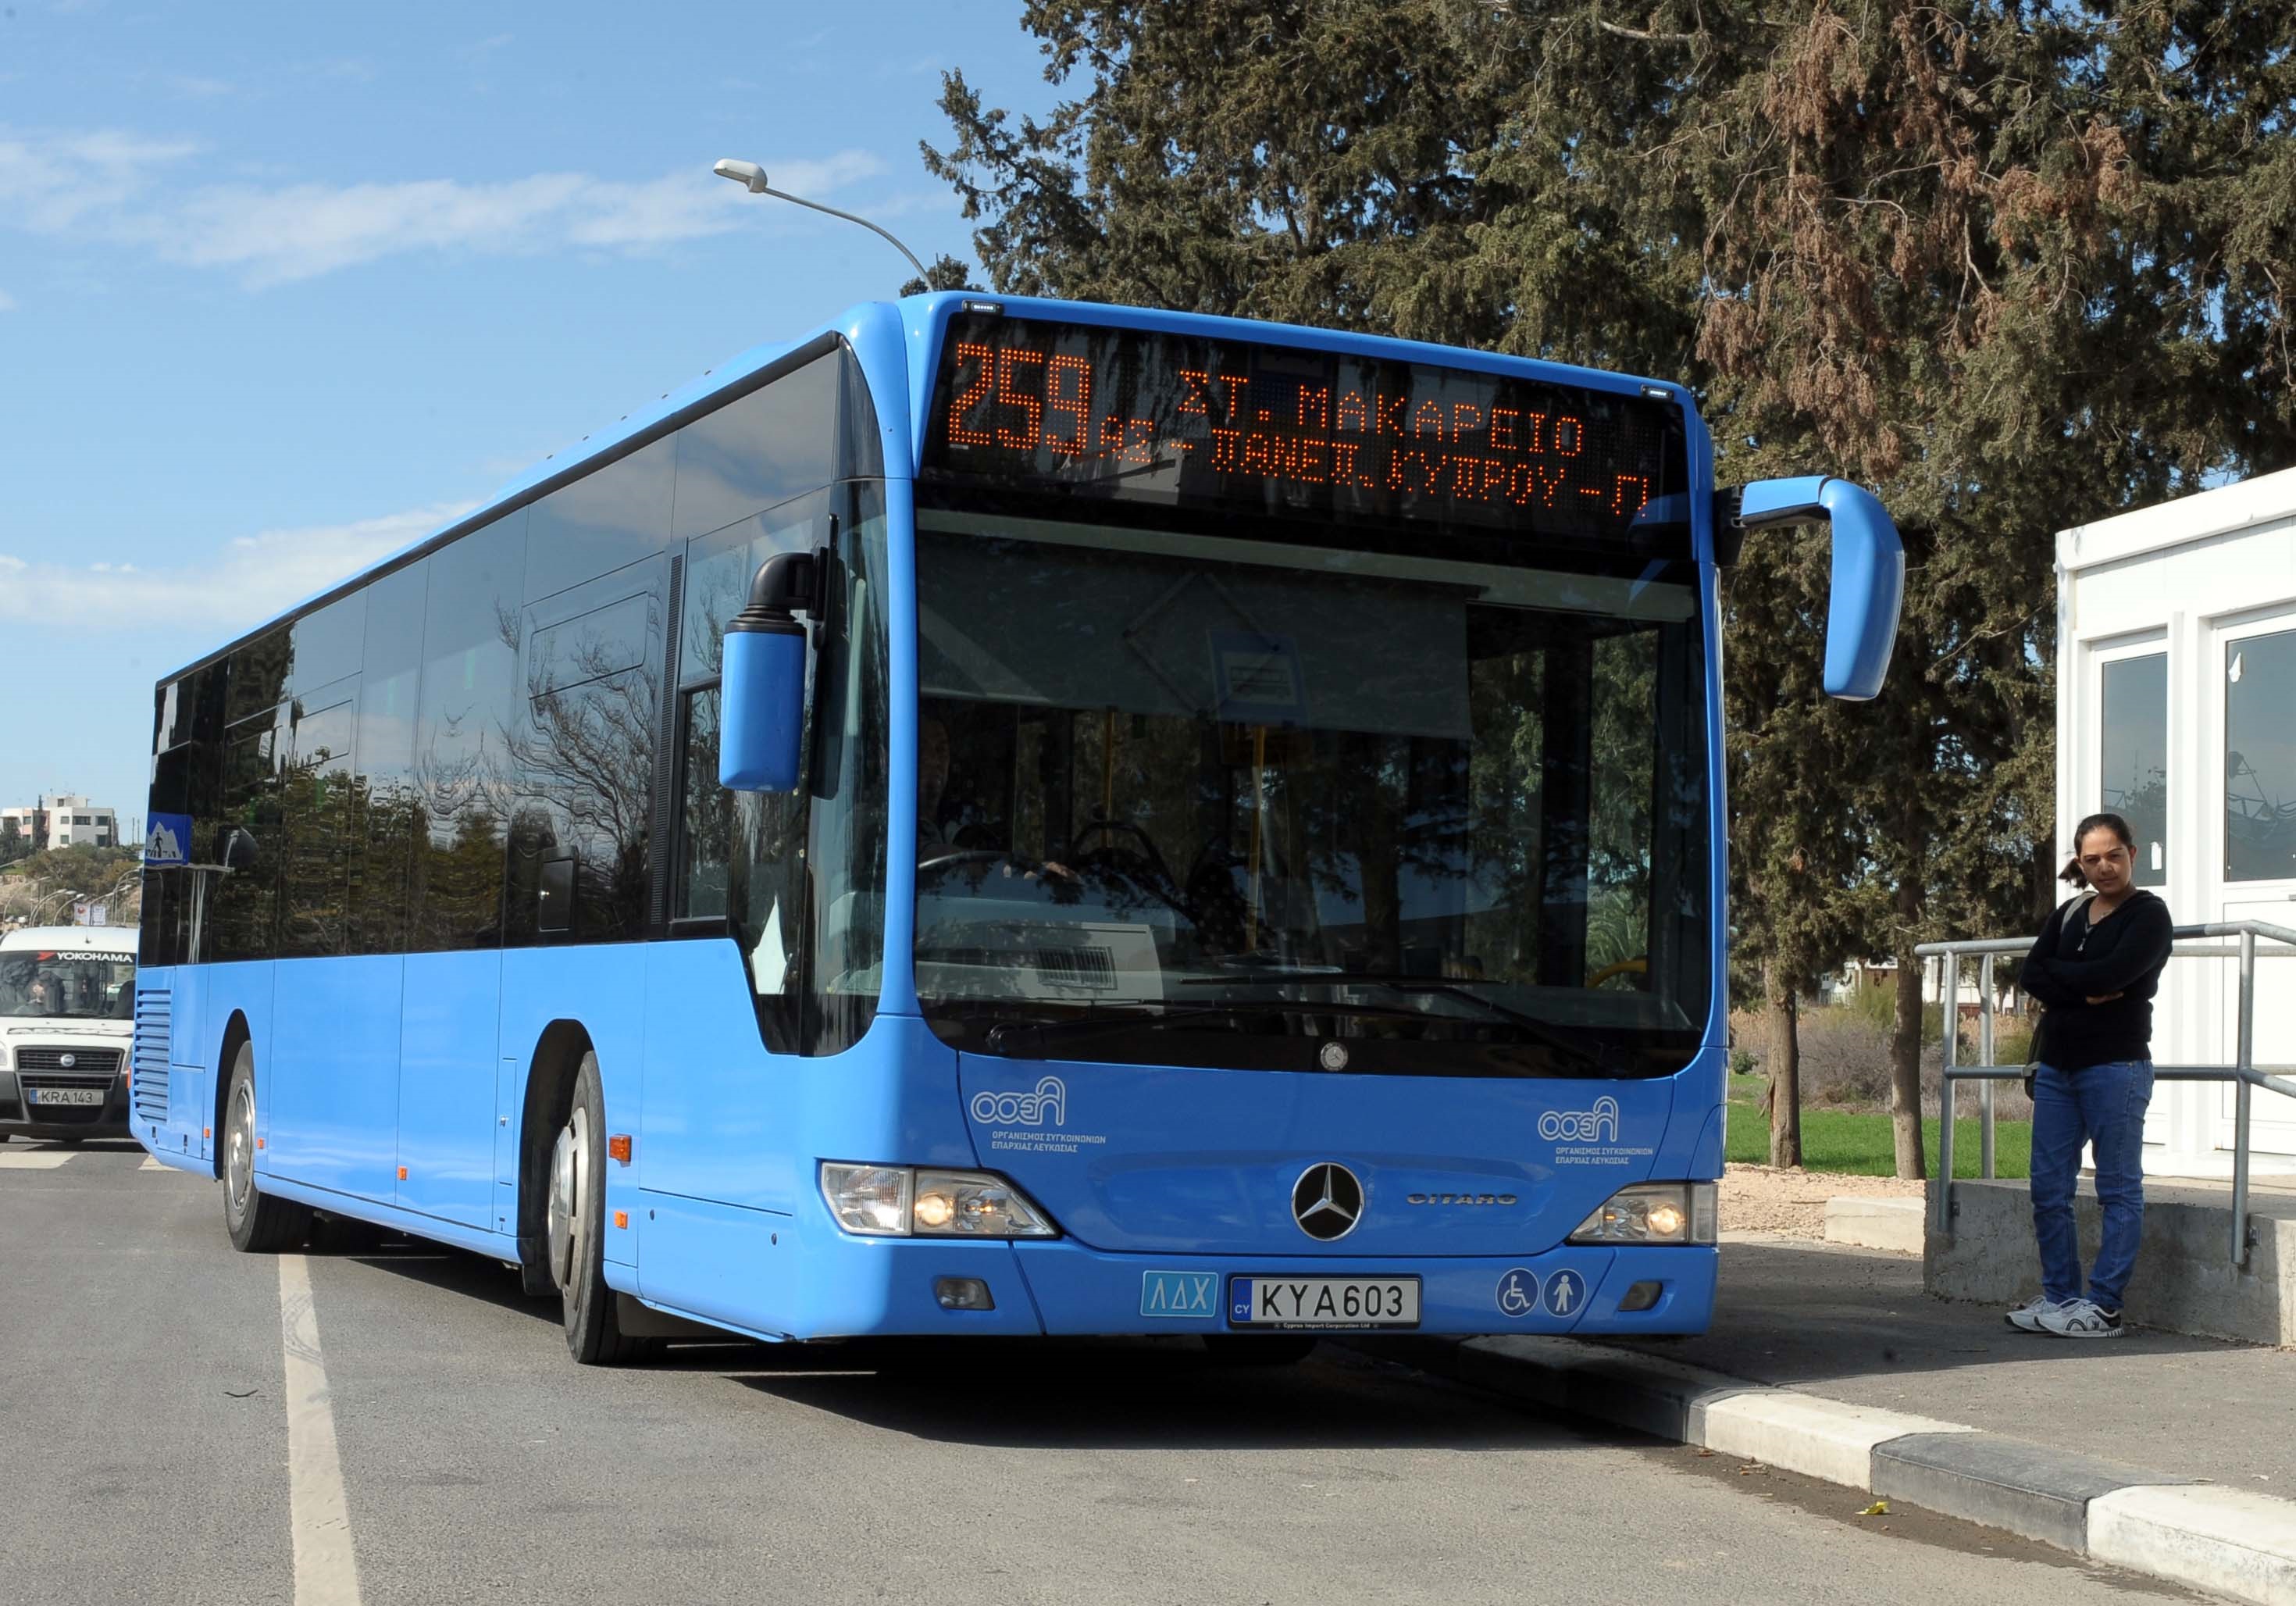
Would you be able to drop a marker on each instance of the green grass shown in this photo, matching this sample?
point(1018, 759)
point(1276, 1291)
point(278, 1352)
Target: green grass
point(1846, 1140)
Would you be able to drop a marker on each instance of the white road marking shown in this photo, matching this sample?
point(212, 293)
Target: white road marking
point(152, 1165)
point(34, 1160)
point(326, 1573)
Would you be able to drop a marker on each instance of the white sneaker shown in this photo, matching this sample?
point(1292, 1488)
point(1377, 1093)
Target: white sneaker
point(2080, 1319)
point(2027, 1317)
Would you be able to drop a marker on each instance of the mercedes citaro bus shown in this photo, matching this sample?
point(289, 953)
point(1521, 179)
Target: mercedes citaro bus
point(1002, 817)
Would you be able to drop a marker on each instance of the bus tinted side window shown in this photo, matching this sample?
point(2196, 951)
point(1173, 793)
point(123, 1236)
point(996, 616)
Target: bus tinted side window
point(464, 714)
point(166, 934)
point(388, 809)
point(583, 762)
point(846, 739)
point(607, 519)
point(316, 822)
point(776, 442)
point(740, 856)
point(244, 905)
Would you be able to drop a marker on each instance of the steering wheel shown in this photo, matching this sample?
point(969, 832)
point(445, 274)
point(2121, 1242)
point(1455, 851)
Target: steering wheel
point(1017, 869)
point(1148, 851)
point(952, 855)
point(1637, 966)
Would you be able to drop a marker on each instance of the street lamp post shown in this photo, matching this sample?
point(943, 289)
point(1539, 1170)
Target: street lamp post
point(752, 177)
point(61, 895)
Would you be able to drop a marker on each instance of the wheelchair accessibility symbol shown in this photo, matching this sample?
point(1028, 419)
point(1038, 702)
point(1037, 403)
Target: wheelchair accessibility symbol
point(1518, 1293)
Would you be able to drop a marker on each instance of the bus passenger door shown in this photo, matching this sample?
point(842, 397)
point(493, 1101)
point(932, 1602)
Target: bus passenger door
point(455, 784)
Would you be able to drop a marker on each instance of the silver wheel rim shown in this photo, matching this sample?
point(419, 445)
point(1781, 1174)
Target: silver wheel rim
point(567, 1161)
point(239, 1151)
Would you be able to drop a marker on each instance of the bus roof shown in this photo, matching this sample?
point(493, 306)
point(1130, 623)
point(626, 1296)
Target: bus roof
point(70, 939)
point(917, 323)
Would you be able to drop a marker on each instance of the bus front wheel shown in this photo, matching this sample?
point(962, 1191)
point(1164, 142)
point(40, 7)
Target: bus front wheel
point(258, 1224)
point(577, 1208)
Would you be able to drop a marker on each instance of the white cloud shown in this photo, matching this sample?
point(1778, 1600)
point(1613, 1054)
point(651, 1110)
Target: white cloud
point(56, 184)
point(248, 581)
point(306, 230)
point(119, 186)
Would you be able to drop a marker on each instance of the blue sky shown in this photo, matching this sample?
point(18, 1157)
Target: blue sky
point(284, 286)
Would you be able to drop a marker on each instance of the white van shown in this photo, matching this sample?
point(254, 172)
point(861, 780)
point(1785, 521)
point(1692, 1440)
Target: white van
point(67, 1026)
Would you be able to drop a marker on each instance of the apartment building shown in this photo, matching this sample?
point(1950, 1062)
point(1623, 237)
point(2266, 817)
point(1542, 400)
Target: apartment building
point(61, 821)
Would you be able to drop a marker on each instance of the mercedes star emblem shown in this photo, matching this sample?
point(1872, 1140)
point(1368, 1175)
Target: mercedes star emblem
point(1335, 1057)
point(1327, 1201)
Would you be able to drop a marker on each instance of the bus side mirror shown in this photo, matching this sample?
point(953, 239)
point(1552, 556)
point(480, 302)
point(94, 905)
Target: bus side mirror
point(762, 700)
point(1869, 573)
point(239, 849)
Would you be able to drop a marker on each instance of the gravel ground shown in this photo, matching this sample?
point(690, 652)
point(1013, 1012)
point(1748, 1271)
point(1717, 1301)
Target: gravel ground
point(1762, 1198)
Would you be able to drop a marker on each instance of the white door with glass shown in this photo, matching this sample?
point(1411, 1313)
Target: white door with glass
point(2131, 760)
point(2255, 670)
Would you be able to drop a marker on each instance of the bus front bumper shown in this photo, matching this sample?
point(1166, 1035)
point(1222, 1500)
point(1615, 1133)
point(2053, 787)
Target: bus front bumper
point(864, 1286)
point(1570, 1290)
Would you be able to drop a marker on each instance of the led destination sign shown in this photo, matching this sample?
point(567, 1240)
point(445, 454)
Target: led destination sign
point(1177, 421)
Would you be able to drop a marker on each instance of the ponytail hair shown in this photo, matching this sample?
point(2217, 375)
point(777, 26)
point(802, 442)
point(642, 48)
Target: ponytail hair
point(2119, 826)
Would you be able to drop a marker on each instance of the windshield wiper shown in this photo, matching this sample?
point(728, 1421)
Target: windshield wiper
point(1532, 1026)
point(1025, 1040)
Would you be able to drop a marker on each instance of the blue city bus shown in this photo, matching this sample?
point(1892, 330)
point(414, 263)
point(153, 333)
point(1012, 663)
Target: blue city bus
point(1002, 817)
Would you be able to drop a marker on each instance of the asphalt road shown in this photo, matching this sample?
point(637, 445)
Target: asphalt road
point(151, 1450)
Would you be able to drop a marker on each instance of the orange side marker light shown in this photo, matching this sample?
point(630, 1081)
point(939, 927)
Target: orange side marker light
point(259, 1142)
point(621, 1218)
point(618, 1146)
point(402, 1174)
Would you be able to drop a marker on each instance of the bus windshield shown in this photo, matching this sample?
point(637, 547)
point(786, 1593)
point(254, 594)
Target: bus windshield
point(1201, 799)
point(39, 985)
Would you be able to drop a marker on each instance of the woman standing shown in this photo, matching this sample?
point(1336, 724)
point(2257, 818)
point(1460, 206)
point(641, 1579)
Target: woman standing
point(2095, 968)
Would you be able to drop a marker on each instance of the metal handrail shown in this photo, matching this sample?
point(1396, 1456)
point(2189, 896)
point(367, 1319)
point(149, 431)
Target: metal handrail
point(2243, 1073)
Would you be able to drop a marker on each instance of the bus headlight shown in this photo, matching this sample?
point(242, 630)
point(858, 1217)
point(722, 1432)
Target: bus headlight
point(900, 1201)
point(1653, 1212)
point(870, 1200)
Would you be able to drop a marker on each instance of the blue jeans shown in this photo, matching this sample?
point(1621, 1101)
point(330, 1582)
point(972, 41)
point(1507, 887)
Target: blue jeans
point(2103, 1106)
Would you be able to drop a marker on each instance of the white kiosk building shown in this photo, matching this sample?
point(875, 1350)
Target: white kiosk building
point(2176, 708)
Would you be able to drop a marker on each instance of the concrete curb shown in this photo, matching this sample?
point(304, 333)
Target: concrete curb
point(2179, 1529)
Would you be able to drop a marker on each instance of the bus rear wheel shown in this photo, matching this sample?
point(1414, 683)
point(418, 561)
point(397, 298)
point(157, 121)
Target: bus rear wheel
point(577, 1208)
point(258, 1224)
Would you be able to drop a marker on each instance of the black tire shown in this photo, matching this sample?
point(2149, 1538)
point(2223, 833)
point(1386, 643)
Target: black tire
point(1258, 1349)
point(578, 1215)
point(258, 1224)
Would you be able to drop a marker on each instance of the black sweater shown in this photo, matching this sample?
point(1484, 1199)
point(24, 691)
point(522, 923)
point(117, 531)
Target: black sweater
point(2073, 961)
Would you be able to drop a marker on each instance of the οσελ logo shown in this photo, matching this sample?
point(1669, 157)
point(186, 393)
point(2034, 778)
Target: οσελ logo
point(1599, 1125)
point(1048, 1105)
